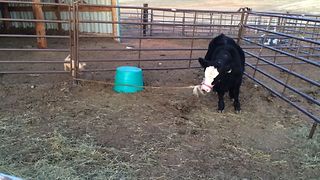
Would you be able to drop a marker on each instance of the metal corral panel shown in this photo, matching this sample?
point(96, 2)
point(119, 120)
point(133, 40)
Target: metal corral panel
point(84, 27)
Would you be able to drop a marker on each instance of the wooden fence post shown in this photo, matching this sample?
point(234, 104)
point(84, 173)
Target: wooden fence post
point(58, 15)
point(114, 20)
point(40, 26)
point(5, 14)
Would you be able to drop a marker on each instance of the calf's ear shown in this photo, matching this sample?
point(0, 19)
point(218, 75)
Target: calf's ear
point(203, 62)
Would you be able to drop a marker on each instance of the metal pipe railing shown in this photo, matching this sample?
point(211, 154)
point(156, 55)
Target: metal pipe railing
point(304, 111)
point(315, 83)
point(284, 16)
point(285, 53)
point(309, 98)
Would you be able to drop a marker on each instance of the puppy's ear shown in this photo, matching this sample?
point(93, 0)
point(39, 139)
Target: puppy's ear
point(203, 62)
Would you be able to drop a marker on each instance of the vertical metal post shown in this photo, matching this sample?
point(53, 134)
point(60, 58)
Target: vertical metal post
point(74, 41)
point(312, 45)
point(241, 26)
point(76, 60)
point(220, 23)
point(183, 23)
point(71, 34)
point(294, 60)
point(174, 21)
point(313, 129)
point(243, 22)
point(151, 20)
point(211, 23)
point(203, 28)
point(192, 40)
point(162, 20)
point(290, 70)
point(231, 22)
point(142, 33)
point(279, 30)
point(145, 19)
point(260, 51)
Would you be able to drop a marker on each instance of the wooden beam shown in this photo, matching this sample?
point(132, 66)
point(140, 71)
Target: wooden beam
point(5, 14)
point(114, 19)
point(58, 15)
point(40, 26)
point(53, 8)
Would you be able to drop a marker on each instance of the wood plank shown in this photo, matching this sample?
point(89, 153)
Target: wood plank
point(58, 15)
point(40, 26)
point(114, 19)
point(5, 13)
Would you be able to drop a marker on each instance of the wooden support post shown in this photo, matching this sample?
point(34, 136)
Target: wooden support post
point(58, 15)
point(40, 26)
point(5, 14)
point(114, 20)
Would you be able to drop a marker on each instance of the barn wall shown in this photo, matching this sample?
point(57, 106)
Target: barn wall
point(84, 27)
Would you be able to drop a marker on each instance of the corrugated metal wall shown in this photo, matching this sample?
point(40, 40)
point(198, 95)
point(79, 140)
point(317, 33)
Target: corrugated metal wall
point(100, 16)
point(84, 27)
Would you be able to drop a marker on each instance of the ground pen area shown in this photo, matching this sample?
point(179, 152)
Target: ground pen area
point(57, 130)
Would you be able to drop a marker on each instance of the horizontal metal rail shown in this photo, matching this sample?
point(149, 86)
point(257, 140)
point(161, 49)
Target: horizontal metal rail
point(31, 62)
point(285, 16)
point(283, 34)
point(33, 36)
point(33, 50)
point(155, 24)
point(34, 72)
point(135, 60)
point(143, 49)
point(309, 98)
point(304, 111)
point(34, 20)
point(30, 2)
point(145, 69)
point(317, 64)
point(285, 69)
point(151, 37)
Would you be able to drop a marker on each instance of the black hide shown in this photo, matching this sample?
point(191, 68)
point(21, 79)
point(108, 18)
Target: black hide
point(225, 55)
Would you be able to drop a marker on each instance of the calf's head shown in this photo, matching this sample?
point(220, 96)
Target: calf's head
point(219, 64)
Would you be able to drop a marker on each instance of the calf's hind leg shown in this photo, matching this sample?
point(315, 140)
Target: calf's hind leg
point(231, 94)
point(236, 102)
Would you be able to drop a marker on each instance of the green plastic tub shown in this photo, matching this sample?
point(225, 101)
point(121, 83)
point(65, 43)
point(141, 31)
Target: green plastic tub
point(128, 79)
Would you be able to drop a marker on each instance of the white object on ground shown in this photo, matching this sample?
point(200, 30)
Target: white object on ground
point(67, 64)
point(197, 89)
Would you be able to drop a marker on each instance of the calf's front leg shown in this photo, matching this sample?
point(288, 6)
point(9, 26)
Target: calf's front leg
point(220, 102)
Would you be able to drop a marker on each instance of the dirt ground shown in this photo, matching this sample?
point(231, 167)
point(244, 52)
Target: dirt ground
point(53, 129)
point(87, 131)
